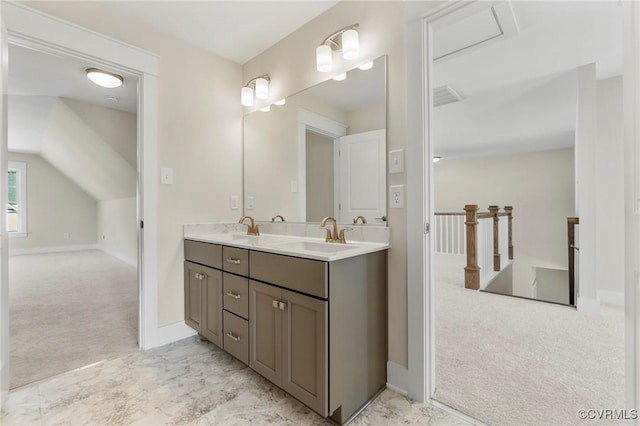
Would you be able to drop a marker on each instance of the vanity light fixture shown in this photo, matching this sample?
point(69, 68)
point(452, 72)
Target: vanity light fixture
point(345, 40)
point(340, 77)
point(104, 78)
point(366, 66)
point(266, 108)
point(281, 102)
point(258, 86)
point(436, 159)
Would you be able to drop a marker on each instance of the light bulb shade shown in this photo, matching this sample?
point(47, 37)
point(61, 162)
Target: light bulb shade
point(246, 96)
point(350, 44)
point(104, 78)
point(366, 66)
point(340, 77)
point(281, 102)
point(324, 61)
point(266, 108)
point(262, 88)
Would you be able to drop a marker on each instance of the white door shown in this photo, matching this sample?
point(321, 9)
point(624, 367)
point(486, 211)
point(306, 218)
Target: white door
point(4, 280)
point(361, 173)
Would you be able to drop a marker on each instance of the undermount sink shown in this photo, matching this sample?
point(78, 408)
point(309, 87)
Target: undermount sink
point(317, 246)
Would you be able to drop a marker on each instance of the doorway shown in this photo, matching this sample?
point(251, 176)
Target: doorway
point(444, 15)
point(73, 267)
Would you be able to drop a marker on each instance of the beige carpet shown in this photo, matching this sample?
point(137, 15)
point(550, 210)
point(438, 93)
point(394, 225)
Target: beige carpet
point(508, 361)
point(69, 310)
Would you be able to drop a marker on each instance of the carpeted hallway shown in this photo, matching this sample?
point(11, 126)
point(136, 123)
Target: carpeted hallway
point(69, 310)
point(506, 361)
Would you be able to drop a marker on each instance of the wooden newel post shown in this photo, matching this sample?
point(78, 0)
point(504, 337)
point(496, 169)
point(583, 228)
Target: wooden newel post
point(472, 270)
point(509, 211)
point(493, 211)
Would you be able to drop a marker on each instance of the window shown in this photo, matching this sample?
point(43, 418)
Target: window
point(17, 199)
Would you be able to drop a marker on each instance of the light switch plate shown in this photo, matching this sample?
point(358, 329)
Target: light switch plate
point(235, 202)
point(250, 203)
point(294, 186)
point(396, 196)
point(166, 176)
point(396, 161)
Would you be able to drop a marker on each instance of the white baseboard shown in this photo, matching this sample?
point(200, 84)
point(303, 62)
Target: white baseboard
point(397, 378)
point(59, 249)
point(171, 333)
point(611, 297)
point(588, 305)
point(125, 259)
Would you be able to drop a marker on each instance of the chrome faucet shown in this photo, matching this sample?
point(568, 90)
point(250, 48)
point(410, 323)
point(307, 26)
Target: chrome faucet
point(252, 227)
point(278, 216)
point(333, 235)
point(355, 220)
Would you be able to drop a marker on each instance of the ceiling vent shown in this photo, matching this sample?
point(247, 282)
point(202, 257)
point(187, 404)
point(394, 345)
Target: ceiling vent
point(444, 95)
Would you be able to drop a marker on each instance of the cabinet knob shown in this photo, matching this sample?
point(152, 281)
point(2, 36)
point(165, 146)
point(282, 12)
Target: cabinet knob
point(274, 304)
point(233, 261)
point(282, 305)
point(233, 337)
point(234, 295)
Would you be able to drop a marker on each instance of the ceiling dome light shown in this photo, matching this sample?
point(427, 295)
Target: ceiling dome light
point(246, 96)
point(104, 78)
point(366, 66)
point(340, 77)
point(350, 44)
point(281, 102)
point(324, 59)
point(262, 88)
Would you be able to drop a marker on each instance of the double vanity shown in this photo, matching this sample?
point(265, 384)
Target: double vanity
point(308, 315)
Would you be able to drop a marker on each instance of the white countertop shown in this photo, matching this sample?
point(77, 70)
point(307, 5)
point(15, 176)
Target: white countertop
point(306, 247)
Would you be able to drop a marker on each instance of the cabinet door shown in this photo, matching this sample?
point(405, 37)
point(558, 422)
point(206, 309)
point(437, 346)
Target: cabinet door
point(192, 295)
point(211, 326)
point(265, 331)
point(305, 347)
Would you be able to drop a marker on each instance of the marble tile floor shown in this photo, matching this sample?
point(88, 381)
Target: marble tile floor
point(190, 382)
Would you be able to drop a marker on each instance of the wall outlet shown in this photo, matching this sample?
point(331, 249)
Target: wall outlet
point(235, 202)
point(166, 176)
point(396, 196)
point(250, 203)
point(65, 235)
point(396, 161)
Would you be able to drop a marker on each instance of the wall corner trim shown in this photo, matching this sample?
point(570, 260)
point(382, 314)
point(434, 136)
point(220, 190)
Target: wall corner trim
point(591, 306)
point(170, 333)
point(397, 378)
point(611, 297)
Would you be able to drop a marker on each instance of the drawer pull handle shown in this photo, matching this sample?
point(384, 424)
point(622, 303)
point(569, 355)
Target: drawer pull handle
point(231, 336)
point(233, 261)
point(234, 295)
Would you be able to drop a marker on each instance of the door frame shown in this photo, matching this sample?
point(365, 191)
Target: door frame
point(36, 30)
point(420, 376)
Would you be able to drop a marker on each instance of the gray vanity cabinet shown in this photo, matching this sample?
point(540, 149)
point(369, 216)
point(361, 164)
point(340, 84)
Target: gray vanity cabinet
point(203, 301)
point(192, 295)
point(288, 342)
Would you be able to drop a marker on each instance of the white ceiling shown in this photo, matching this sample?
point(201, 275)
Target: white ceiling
point(235, 30)
point(518, 90)
point(33, 73)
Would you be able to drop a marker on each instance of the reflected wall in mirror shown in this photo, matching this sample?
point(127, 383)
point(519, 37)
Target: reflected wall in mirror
point(321, 154)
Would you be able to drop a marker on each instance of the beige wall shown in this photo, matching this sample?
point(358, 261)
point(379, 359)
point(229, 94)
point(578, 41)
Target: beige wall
point(291, 65)
point(55, 206)
point(118, 229)
point(117, 128)
point(319, 177)
point(539, 186)
point(367, 119)
point(199, 135)
point(610, 186)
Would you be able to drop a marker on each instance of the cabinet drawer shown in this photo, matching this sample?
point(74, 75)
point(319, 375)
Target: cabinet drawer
point(236, 294)
point(235, 260)
point(236, 336)
point(304, 275)
point(203, 253)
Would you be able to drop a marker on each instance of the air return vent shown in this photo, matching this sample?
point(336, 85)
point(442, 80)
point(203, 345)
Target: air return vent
point(444, 95)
